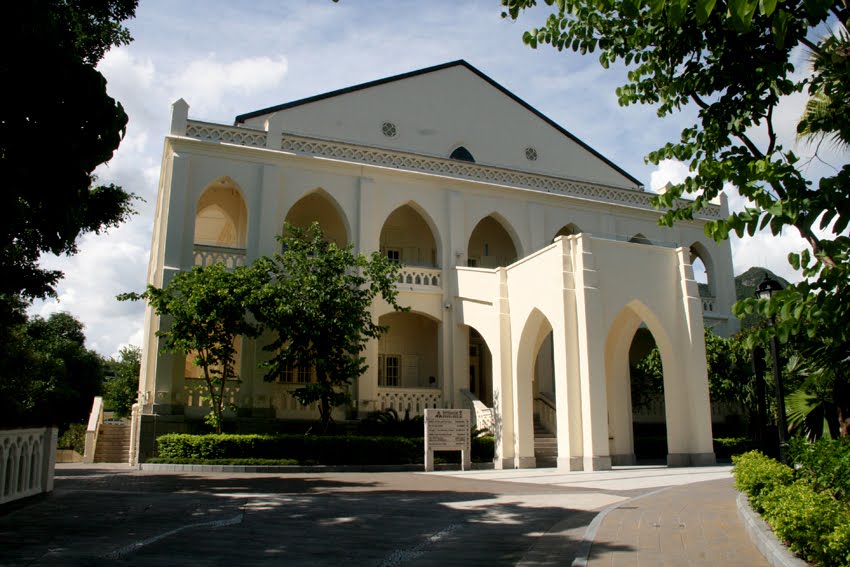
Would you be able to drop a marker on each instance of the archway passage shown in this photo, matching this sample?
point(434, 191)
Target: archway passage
point(703, 268)
point(319, 207)
point(646, 380)
point(490, 245)
point(406, 238)
point(640, 385)
point(221, 217)
point(480, 368)
point(408, 355)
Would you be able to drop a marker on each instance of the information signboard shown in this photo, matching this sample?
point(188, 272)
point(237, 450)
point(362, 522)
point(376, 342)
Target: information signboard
point(448, 430)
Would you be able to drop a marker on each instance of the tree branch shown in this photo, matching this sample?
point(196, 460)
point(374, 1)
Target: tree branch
point(771, 135)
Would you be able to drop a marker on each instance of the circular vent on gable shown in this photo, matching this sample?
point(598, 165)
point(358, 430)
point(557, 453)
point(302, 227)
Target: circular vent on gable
point(530, 154)
point(389, 130)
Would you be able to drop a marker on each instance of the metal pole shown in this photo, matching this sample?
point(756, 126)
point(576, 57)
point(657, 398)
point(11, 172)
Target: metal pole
point(780, 396)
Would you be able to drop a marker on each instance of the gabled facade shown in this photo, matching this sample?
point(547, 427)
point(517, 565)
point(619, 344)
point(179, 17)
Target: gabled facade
point(529, 262)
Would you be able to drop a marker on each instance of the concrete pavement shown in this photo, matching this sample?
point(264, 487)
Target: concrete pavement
point(122, 516)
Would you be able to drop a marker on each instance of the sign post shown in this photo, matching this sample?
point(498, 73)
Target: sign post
point(448, 430)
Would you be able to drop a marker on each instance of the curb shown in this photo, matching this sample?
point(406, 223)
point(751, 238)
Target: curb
point(586, 543)
point(762, 536)
point(173, 468)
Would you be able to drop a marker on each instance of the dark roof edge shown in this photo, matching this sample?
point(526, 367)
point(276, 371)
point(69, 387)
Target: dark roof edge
point(460, 62)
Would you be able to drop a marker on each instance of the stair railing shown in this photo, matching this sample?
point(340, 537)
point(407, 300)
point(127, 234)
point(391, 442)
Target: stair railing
point(95, 421)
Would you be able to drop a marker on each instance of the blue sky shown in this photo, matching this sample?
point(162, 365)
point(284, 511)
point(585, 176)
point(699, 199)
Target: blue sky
point(227, 58)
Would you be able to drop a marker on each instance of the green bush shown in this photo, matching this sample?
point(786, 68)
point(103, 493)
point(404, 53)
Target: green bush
point(725, 447)
point(825, 464)
point(306, 449)
point(804, 518)
point(73, 438)
point(388, 423)
point(839, 544)
point(757, 476)
point(187, 461)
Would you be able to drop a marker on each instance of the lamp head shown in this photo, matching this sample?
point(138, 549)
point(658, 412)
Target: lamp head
point(767, 287)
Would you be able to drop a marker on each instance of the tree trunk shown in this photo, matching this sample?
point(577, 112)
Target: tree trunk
point(841, 395)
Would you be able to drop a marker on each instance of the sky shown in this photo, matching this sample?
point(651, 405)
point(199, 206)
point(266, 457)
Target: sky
point(227, 58)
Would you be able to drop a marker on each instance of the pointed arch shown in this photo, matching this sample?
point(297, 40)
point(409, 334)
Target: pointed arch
point(409, 352)
point(570, 229)
point(221, 215)
point(460, 153)
point(410, 236)
point(618, 382)
point(319, 206)
point(493, 242)
point(700, 253)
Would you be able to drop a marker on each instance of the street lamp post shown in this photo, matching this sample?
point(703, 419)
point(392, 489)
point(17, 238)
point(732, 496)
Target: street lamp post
point(765, 290)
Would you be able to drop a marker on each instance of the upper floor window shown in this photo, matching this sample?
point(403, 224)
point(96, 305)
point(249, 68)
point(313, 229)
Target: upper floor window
point(462, 154)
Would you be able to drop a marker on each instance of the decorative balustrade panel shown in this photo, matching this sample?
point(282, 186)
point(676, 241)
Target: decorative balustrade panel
point(420, 278)
point(428, 164)
point(412, 401)
point(196, 390)
point(27, 459)
point(209, 255)
point(286, 406)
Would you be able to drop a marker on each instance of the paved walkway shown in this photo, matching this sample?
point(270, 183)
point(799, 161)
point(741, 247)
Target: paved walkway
point(121, 516)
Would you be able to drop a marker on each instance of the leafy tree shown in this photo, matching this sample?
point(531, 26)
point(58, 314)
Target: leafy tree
point(204, 311)
point(318, 306)
point(47, 375)
point(60, 102)
point(731, 59)
point(121, 388)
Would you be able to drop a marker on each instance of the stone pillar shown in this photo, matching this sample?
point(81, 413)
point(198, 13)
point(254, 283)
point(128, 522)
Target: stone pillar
point(591, 336)
point(366, 239)
point(503, 391)
point(179, 117)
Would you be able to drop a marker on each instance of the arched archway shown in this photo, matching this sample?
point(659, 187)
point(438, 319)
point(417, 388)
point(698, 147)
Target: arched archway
point(408, 353)
point(409, 238)
point(570, 229)
point(703, 267)
point(491, 245)
point(480, 375)
point(318, 206)
point(221, 217)
point(647, 423)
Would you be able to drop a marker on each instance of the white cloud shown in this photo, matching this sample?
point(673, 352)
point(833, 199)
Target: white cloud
point(668, 171)
point(206, 82)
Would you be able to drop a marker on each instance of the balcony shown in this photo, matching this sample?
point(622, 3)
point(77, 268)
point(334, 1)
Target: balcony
point(412, 400)
point(209, 255)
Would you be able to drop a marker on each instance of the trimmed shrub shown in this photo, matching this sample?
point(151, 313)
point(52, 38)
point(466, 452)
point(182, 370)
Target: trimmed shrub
point(839, 544)
point(73, 438)
point(825, 464)
point(757, 476)
point(803, 518)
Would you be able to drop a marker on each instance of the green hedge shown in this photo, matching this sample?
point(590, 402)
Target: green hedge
point(803, 512)
point(306, 449)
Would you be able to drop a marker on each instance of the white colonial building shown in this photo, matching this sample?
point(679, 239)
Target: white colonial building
point(529, 263)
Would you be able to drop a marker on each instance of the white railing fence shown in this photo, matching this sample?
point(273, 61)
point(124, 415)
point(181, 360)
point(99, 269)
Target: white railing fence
point(27, 462)
point(209, 255)
point(412, 400)
point(482, 415)
point(92, 429)
point(416, 277)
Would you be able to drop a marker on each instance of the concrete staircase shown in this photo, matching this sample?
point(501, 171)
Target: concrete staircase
point(545, 447)
point(113, 443)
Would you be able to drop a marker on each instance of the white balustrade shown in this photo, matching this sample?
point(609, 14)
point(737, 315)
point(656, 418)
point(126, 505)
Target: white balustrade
point(413, 277)
point(209, 255)
point(93, 428)
point(482, 415)
point(27, 462)
point(412, 400)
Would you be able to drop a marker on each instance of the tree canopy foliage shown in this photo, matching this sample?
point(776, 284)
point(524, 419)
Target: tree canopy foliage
point(57, 124)
point(121, 385)
point(733, 61)
point(318, 305)
point(47, 375)
point(205, 311)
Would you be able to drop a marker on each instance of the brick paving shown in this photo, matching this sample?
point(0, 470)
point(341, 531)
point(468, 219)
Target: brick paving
point(121, 516)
